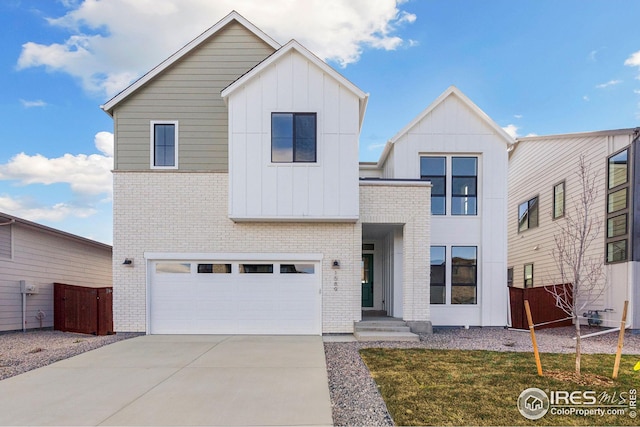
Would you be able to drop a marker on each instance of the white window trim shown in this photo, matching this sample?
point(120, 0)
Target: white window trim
point(152, 124)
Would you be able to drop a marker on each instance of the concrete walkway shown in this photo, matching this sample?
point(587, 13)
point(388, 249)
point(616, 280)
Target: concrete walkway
point(162, 380)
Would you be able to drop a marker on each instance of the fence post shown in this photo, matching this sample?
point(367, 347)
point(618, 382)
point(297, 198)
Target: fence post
point(616, 365)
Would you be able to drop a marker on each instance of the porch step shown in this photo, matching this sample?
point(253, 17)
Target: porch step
point(383, 329)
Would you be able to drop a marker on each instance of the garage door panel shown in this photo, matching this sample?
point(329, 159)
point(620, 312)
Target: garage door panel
point(204, 300)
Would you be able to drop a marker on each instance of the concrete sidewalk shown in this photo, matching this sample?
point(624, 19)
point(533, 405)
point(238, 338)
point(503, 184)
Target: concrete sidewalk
point(177, 380)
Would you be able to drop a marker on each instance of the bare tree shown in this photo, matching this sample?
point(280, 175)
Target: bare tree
point(583, 274)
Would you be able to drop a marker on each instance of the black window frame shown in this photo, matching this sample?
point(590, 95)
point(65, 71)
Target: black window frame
point(431, 177)
point(555, 201)
point(161, 147)
point(455, 267)
point(616, 246)
point(294, 139)
point(510, 276)
point(534, 201)
point(524, 276)
point(455, 196)
point(442, 266)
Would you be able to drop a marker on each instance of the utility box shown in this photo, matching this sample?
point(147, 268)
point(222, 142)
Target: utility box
point(28, 289)
point(82, 309)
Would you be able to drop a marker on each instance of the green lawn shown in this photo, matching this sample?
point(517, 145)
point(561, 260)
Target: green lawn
point(449, 387)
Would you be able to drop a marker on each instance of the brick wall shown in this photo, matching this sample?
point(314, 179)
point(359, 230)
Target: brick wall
point(407, 203)
point(188, 213)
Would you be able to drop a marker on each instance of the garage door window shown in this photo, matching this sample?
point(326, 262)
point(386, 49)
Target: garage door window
point(214, 268)
point(297, 268)
point(173, 267)
point(256, 268)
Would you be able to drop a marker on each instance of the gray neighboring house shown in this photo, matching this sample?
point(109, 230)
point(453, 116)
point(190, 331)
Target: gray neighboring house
point(41, 256)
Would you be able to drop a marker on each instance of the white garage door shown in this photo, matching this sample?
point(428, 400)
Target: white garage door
point(211, 297)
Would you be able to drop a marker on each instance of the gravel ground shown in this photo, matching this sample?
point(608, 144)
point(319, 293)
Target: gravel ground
point(354, 395)
point(23, 351)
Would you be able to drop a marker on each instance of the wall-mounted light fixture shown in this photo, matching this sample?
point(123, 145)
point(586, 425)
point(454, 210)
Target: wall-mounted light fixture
point(128, 261)
point(335, 264)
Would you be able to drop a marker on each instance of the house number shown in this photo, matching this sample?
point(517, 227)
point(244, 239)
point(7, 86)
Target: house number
point(335, 282)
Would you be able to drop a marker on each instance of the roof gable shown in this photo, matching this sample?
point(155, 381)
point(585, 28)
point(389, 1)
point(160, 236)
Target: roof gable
point(189, 47)
point(293, 45)
point(451, 91)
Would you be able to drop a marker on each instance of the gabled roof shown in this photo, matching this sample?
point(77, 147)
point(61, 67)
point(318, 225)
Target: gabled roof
point(233, 16)
point(451, 91)
point(293, 45)
point(6, 219)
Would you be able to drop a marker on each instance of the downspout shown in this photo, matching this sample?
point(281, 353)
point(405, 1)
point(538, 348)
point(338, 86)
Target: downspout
point(24, 306)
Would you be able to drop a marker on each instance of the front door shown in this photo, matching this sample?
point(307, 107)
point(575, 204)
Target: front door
point(367, 280)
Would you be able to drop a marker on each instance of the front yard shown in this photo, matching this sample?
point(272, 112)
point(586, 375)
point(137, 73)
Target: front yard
point(453, 387)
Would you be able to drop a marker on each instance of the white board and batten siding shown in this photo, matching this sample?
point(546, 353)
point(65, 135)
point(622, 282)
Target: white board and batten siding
point(454, 126)
point(324, 190)
point(536, 165)
point(41, 257)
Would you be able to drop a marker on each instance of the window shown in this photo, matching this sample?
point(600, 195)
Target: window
point(438, 272)
point(464, 185)
point(214, 268)
point(173, 267)
point(434, 169)
point(5, 239)
point(528, 275)
point(256, 268)
point(617, 239)
point(558, 200)
point(293, 137)
point(528, 214)
point(297, 269)
point(510, 276)
point(164, 144)
point(464, 275)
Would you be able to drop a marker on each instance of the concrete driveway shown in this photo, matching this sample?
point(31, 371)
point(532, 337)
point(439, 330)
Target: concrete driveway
point(161, 380)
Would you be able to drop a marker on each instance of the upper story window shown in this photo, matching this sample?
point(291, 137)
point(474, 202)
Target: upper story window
point(464, 185)
point(528, 214)
point(293, 137)
point(434, 169)
point(5, 239)
point(617, 239)
point(164, 144)
point(558, 200)
point(463, 181)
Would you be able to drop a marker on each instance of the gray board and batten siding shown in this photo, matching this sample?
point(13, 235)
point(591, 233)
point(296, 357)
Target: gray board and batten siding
point(189, 92)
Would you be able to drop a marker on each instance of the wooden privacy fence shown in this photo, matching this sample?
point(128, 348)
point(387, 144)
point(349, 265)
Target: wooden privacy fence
point(542, 304)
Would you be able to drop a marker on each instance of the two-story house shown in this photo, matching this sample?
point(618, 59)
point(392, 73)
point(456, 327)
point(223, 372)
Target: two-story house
point(239, 208)
point(543, 191)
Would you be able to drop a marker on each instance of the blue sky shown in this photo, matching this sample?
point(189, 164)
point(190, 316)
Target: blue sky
point(534, 66)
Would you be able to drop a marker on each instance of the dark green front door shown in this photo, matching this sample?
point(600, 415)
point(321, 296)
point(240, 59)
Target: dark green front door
point(367, 280)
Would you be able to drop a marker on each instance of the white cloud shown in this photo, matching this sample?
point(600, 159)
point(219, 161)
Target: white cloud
point(114, 41)
point(517, 116)
point(511, 130)
point(33, 212)
point(609, 83)
point(592, 55)
point(586, 98)
point(634, 61)
point(31, 104)
point(87, 175)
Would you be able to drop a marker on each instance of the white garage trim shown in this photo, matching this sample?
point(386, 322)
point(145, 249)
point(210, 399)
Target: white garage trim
point(235, 302)
point(197, 256)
